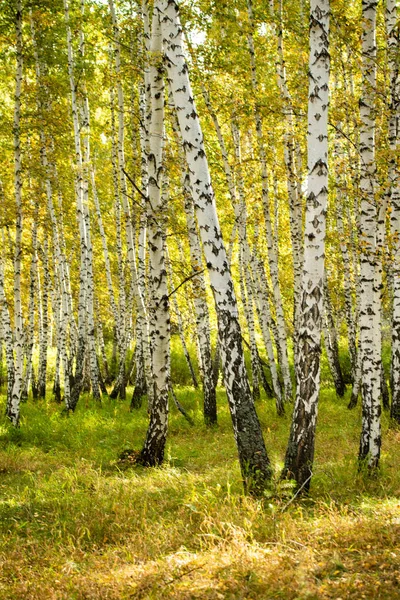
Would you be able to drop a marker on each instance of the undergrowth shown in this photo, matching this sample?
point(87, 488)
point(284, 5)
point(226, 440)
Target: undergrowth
point(78, 523)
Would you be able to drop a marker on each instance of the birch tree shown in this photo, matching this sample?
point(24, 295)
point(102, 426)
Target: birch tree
point(13, 408)
point(254, 462)
point(370, 343)
point(153, 450)
point(300, 451)
point(392, 33)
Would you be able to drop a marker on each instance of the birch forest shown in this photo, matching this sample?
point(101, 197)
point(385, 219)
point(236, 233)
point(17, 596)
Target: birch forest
point(199, 252)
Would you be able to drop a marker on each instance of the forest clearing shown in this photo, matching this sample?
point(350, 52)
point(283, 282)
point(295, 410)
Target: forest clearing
point(199, 299)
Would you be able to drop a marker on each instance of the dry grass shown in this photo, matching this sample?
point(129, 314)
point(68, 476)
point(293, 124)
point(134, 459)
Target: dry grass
point(77, 524)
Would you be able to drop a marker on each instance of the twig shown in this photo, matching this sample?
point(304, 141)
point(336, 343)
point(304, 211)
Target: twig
point(261, 361)
point(183, 575)
point(180, 407)
point(135, 186)
point(185, 280)
point(297, 493)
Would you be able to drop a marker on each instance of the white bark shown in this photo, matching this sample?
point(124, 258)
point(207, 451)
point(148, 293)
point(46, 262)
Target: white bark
point(281, 340)
point(199, 289)
point(8, 336)
point(153, 449)
point(392, 33)
point(43, 322)
point(13, 410)
point(300, 451)
point(135, 292)
point(81, 188)
point(254, 461)
point(370, 343)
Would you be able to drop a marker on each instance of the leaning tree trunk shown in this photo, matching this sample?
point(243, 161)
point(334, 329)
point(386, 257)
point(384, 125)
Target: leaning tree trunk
point(370, 344)
point(201, 310)
point(199, 290)
point(254, 462)
point(300, 451)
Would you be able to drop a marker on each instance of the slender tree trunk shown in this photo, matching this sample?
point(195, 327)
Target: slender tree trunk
point(300, 451)
point(370, 343)
point(331, 343)
point(44, 323)
point(199, 292)
point(8, 339)
point(13, 409)
point(153, 450)
point(265, 321)
point(254, 462)
point(30, 341)
point(244, 253)
point(347, 285)
point(392, 33)
point(80, 198)
point(281, 340)
point(135, 292)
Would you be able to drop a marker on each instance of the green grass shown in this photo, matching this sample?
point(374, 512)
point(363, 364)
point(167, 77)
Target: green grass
point(75, 523)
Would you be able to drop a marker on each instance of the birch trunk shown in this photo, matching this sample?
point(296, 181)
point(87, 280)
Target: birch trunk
point(13, 409)
point(201, 309)
point(370, 345)
point(135, 291)
point(265, 321)
point(244, 260)
point(153, 450)
point(392, 33)
point(80, 187)
point(44, 323)
point(331, 343)
point(300, 451)
point(142, 316)
point(85, 127)
point(30, 335)
point(202, 316)
point(254, 462)
point(281, 339)
point(8, 338)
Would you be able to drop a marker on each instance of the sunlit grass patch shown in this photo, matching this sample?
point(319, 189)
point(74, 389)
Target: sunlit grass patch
point(76, 523)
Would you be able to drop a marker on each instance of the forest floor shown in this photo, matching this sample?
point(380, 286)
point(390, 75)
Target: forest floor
point(77, 523)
